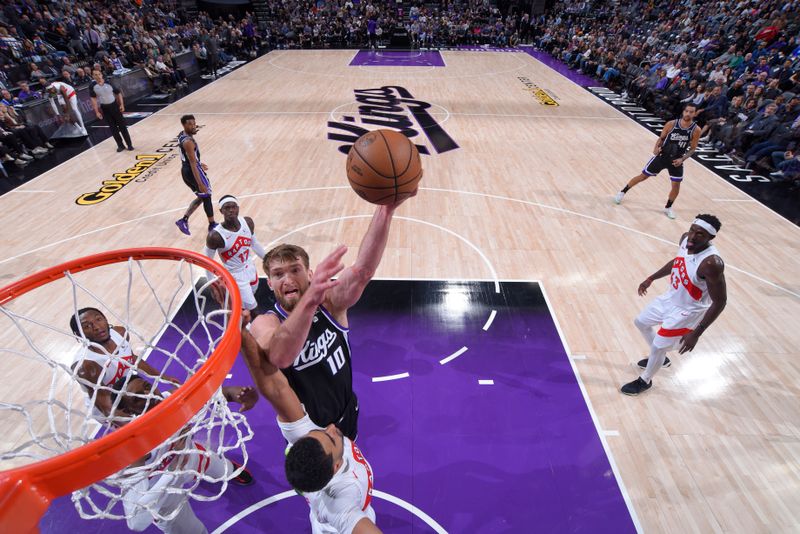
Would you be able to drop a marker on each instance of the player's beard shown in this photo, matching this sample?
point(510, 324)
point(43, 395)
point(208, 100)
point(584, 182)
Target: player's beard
point(290, 305)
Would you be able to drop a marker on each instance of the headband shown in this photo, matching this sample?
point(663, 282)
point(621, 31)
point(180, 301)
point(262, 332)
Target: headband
point(227, 199)
point(705, 226)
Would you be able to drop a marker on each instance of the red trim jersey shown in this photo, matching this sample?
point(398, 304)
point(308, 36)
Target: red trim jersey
point(236, 254)
point(687, 290)
point(345, 501)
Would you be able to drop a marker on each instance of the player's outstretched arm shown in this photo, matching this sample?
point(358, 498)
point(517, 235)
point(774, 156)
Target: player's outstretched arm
point(270, 381)
point(713, 271)
point(356, 277)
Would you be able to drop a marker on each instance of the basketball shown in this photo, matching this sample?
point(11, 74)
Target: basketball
point(383, 167)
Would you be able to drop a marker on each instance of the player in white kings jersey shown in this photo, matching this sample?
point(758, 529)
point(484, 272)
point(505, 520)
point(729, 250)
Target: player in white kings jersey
point(696, 296)
point(322, 464)
point(234, 239)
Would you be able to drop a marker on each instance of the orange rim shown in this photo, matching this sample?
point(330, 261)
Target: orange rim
point(26, 492)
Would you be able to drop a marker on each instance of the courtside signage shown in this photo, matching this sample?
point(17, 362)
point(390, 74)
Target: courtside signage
point(542, 96)
point(146, 166)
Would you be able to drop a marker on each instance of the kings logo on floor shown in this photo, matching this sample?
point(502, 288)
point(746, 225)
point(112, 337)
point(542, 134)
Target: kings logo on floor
point(395, 108)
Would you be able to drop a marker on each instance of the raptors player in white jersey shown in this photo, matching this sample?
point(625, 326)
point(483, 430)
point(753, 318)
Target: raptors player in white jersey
point(159, 489)
point(696, 296)
point(106, 359)
point(234, 239)
point(323, 465)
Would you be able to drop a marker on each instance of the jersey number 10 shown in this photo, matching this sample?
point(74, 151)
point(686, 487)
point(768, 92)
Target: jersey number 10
point(336, 360)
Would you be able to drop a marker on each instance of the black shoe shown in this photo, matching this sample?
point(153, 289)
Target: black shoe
point(636, 387)
point(244, 478)
point(130, 148)
point(643, 363)
point(120, 148)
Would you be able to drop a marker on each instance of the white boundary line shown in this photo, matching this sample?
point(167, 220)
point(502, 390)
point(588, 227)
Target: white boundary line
point(329, 188)
point(600, 433)
point(522, 64)
point(486, 382)
point(490, 320)
point(396, 217)
point(741, 191)
point(714, 174)
point(390, 377)
point(453, 356)
point(291, 493)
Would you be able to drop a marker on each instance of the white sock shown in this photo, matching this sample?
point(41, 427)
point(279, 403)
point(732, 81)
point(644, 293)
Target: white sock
point(654, 362)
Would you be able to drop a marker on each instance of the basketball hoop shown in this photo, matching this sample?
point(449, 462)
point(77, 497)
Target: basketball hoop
point(26, 491)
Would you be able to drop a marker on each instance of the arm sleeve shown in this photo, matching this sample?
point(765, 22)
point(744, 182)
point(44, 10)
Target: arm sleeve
point(258, 248)
point(211, 253)
point(297, 429)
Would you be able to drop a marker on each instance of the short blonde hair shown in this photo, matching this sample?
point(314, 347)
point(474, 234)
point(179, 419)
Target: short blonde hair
point(285, 252)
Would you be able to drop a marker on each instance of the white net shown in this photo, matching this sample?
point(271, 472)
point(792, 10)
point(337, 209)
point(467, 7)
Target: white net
point(70, 381)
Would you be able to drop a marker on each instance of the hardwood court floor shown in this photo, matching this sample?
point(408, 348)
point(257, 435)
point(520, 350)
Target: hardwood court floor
point(713, 447)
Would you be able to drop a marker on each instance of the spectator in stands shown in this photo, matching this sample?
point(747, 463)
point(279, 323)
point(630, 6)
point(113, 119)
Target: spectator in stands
point(66, 65)
point(67, 77)
point(8, 99)
point(92, 38)
point(32, 136)
point(760, 127)
point(15, 147)
point(81, 78)
point(36, 72)
point(25, 93)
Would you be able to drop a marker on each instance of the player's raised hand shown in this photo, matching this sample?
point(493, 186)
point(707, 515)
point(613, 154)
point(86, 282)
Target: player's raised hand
point(326, 269)
point(244, 395)
point(395, 205)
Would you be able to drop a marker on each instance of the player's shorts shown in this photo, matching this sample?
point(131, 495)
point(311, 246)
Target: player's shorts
point(191, 183)
point(247, 281)
point(674, 322)
point(659, 163)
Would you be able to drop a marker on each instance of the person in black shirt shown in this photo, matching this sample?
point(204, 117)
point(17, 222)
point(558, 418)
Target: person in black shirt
point(306, 335)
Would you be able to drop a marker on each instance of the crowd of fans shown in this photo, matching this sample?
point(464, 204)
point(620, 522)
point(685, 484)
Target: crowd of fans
point(42, 42)
point(363, 23)
point(739, 62)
